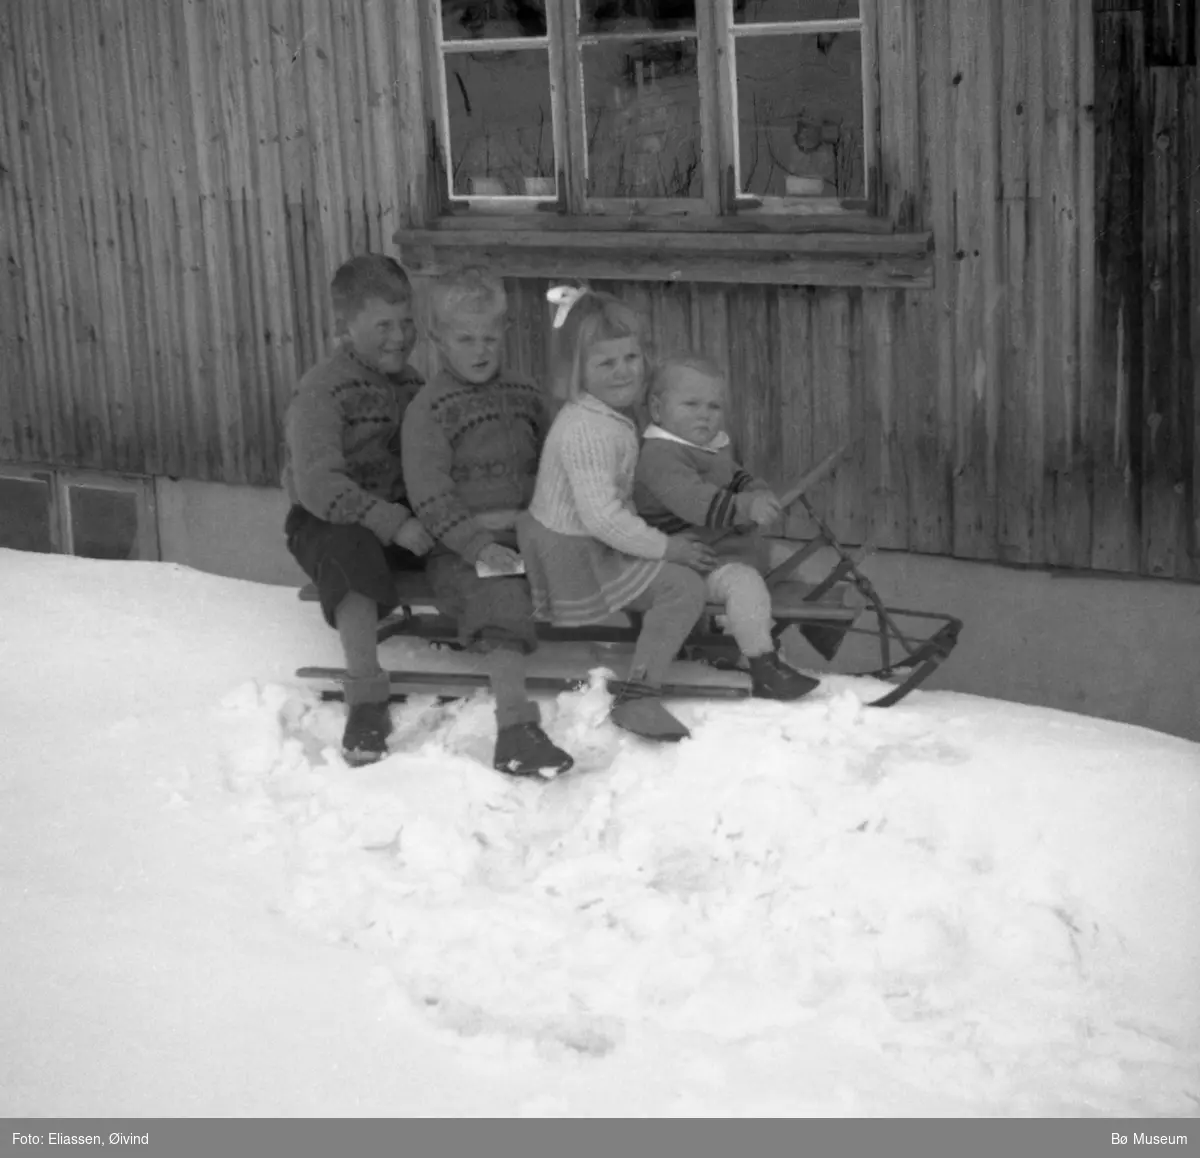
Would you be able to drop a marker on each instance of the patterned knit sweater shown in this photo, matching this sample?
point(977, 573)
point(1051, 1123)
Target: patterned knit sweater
point(469, 449)
point(680, 486)
point(585, 484)
point(342, 452)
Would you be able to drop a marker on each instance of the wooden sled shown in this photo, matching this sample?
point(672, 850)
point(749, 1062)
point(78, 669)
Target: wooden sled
point(824, 613)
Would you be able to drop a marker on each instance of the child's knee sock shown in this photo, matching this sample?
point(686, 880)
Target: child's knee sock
point(357, 619)
point(505, 666)
point(747, 605)
point(677, 598)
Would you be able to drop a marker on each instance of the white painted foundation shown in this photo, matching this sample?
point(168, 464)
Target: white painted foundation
point(227, 530)
point(1123, 649)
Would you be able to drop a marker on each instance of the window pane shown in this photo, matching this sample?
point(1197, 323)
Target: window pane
point(643, 119)
point(766, 11)
point(492, 19)
point(25, 515)
point(636, 15)
point(800, 115)
point(501, 131)
point(104, 523)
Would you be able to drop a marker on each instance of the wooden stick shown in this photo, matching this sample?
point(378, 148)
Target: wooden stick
point(805, 484)
point(814, 476)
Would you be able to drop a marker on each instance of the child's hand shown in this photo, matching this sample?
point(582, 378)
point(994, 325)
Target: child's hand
point(691, 553)
point(498, 558)
point(413, 537)
point(762, 508)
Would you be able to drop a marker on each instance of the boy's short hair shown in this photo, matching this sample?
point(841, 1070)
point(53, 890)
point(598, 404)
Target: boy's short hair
point(469, 291)
point(661, 378)
point(367, 276)
point(595, 317)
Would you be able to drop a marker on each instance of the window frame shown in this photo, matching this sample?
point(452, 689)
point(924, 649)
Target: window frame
point(661, 238)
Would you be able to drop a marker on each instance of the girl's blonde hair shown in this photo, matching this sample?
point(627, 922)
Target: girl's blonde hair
point(595, 317)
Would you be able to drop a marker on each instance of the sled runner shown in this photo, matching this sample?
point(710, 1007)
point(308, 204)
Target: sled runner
point(824, 613)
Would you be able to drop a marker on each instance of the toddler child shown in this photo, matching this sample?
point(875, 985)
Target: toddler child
point(587, 552)
point(349, 526)
point(687, 480)
point(471, 442)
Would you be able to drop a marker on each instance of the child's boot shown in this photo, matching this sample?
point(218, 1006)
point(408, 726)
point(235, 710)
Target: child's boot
point(525, 750)
point(637, 707)
point(368, 721)
point(772, 679)
point(522, 748)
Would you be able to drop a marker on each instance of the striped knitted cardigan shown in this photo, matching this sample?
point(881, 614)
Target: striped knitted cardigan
point(680, 486)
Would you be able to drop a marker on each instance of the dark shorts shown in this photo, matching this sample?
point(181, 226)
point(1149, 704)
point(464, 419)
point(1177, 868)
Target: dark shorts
point(344, 557)
point(488, 611)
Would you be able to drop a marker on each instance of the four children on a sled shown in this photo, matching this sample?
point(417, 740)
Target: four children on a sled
point(468, 472)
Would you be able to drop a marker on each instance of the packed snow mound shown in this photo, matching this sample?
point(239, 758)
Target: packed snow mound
point(952, 906)
point(957, 887)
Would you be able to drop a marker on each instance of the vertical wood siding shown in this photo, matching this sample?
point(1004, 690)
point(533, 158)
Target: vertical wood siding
point(178, 181)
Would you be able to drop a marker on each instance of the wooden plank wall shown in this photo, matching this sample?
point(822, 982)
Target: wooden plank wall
point(1144, 433)
point(178, 181)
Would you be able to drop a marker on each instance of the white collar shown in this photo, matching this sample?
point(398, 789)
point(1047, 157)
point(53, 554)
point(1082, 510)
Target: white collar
point(655, 431)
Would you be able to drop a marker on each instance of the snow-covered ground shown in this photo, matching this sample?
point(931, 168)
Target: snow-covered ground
point(953, 907)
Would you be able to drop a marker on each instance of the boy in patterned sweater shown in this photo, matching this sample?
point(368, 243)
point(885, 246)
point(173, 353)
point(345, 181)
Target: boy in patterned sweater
point(470, 447)
point(688, 482)
point(349, 526)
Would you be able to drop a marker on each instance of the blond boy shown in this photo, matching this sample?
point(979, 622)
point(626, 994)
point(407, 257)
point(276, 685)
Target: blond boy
point(471, 442)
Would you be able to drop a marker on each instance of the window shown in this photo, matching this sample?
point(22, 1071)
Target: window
point(724, 140)
point(93, 515)
point(500, 121)
point(796, 89)
point(644, 104)
point(26, 511)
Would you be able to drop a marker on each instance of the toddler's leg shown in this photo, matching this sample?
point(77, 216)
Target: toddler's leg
point(747, 604)
point(672, 605)
point(748, 607)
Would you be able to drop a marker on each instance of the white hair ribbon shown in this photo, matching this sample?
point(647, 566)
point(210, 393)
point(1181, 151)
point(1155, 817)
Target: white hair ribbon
point(564, 296)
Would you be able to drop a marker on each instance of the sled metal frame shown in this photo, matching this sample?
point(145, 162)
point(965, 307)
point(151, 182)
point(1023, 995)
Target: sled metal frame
point(907, 656)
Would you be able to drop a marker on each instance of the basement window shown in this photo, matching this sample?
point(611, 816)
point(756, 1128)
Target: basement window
point(26, 511)
point(87, 513)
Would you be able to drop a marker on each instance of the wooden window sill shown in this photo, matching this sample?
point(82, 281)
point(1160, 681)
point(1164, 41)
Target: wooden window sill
point(838, 257)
